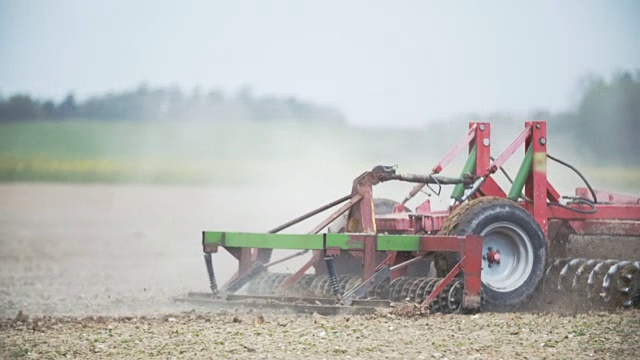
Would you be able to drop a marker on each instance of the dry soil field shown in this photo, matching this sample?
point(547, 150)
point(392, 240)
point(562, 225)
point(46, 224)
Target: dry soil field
point(88, 271)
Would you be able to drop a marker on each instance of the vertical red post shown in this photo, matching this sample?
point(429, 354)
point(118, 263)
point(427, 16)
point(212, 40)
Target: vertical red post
point(536, 186)
point(246, 258)
point(483, 147)
point(369, 260)
point(367, 213)
point(363, 211)
point(483, 161)
point(472, 266)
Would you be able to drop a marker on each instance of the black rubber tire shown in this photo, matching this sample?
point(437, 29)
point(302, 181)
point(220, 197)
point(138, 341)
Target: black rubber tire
point(477, 215)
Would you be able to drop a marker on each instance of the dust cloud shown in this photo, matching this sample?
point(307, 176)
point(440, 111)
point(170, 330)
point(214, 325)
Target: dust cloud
point(130, 248)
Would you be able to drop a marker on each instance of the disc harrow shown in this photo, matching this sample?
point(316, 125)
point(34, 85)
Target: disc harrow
point(608, 282)
point(492, 244)
point(401, 290)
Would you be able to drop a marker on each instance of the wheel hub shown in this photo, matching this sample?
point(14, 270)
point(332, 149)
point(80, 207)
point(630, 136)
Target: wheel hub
point(492, 257)
point(507, 257)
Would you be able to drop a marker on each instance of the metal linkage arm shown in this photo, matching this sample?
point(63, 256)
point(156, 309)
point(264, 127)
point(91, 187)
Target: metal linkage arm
point(469, 247)
point(431, 179)
point(309, 214)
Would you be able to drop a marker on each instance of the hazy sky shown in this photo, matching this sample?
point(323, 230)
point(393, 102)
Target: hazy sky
point(381, 62)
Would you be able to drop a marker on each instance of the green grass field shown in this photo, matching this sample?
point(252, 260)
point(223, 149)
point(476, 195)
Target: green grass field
point(244, 152)
point(85, 151)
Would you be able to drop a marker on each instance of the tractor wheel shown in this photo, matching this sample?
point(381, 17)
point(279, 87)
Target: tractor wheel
point(514, 248)
point(345, 263)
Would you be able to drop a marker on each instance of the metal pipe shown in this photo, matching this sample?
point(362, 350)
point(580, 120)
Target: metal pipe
point(276, 262)
point(354, 200)
point(407, 263)
point(506, 175)
point(309, 214)
point(444, 162)
point(317, 229)
point(430, 179)
point(344, 208)
point(468, 168)
point(508, 151)
point(476, 185)
point(523, 174)
point(414, 191)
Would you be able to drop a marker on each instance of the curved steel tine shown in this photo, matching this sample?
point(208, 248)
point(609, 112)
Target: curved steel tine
point(597, 270)
point(629, 275)
point(632, 290)
point(555, 264)
point(566, 268)
point(606, 282)
point(581, 270)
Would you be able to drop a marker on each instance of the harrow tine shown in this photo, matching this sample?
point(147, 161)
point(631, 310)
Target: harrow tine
point(632, 290)
point(331, 270)
point(589, 264)
point(619, 280)
point(629, 275)
point(555, 264)
point(606, 282)
point(566, 268)
point(625, 290)
point(455, 296)
point(213, 285)
point(598, 269)
point(366, 286)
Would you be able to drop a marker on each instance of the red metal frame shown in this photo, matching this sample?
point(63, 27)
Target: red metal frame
point(619, 214)
point(451, 154)
point(614, 214)
point(469, 247)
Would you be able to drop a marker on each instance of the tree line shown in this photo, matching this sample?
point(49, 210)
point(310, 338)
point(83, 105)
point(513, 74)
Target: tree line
point(605, 122)
point(603, 125)
point(144, 103)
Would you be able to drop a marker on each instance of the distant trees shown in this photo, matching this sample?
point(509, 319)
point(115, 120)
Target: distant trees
point(604, 125)
point(609, 114)
point(23, 107)
point(19, 107)
point(168, 104)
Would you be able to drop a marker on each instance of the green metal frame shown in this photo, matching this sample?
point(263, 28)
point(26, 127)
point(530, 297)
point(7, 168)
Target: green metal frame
point(469, 168)
point(307, 242)
point(522, 176)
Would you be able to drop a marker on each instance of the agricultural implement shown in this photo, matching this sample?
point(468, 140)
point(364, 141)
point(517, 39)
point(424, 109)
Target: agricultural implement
point(490, 247)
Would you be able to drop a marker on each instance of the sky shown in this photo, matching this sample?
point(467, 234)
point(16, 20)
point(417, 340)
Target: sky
point(383, 63)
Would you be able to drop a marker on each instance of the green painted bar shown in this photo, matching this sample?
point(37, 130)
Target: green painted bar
point(310, 242)
point(469, 168)
point(342, 241)
point(398, 243)
point(523, 174)
point(265, 241)
point(212, 237)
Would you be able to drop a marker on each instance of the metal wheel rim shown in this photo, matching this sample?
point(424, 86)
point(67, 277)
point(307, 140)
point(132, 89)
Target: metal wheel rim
point(516, 257)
